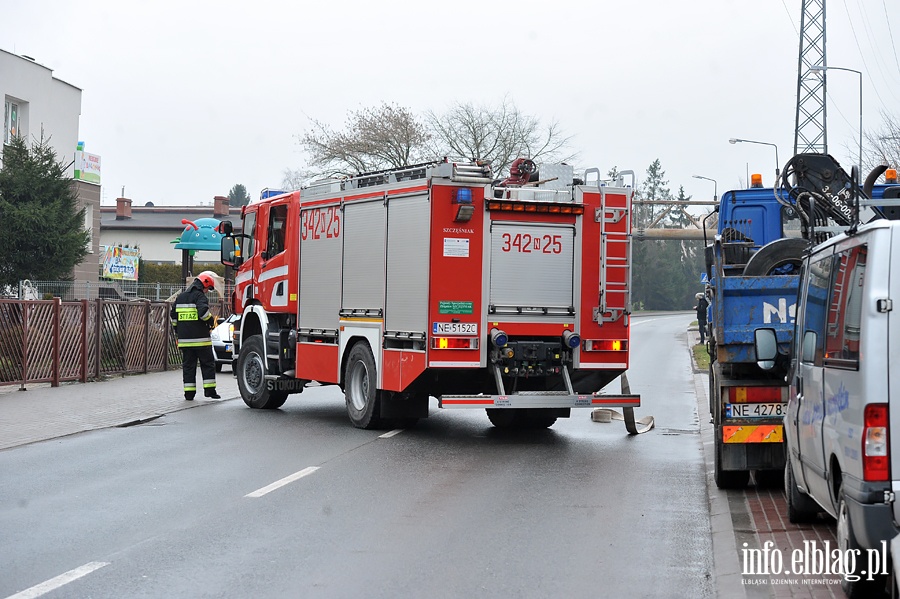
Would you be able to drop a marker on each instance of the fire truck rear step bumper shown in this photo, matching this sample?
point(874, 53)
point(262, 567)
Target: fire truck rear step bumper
point(542, 399)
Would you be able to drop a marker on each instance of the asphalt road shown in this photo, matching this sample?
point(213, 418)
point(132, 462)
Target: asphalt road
point(185, 506)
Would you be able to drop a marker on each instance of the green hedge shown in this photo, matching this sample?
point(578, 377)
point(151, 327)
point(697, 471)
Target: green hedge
point(171, 273)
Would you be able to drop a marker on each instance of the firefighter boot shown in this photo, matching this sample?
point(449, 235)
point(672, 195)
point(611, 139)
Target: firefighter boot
point(211, 393)
point(189, 395)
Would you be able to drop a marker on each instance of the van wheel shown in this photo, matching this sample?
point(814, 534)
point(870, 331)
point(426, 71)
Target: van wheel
point(800, 506)
point(251, 376)
point(862, 588)
point(784, 255)
point(360, 388)
point(729, 479)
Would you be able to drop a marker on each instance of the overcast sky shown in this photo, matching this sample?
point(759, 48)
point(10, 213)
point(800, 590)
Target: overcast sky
point(182, 100)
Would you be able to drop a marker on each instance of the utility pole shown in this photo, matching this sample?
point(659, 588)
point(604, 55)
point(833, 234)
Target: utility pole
point(810, 135)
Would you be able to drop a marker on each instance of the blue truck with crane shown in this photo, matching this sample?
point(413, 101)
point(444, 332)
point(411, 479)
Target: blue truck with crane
point(753, 267)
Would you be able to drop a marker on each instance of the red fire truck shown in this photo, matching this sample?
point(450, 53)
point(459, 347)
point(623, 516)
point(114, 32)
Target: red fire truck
point(436, 280)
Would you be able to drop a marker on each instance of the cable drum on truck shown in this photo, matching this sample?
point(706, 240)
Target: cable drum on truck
point(782, 256)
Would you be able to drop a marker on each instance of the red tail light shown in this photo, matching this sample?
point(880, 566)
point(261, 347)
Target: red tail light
point(876, 459)
point(454, 343)
point(605, 345)
point(757, 394)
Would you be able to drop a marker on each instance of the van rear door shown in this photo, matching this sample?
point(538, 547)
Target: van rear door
point(891, 325)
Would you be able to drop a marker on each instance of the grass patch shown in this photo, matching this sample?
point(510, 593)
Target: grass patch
point(701, 357)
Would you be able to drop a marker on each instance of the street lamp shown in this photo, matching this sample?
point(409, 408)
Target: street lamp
point(735, 140)
point(822, 69)
point(715, 186)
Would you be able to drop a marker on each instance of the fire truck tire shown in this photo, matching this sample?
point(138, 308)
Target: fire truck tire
point(504, 417)
point(801, 508)
point(360, 388)
point(779, 254)
point(251, 376)
point(536, 418)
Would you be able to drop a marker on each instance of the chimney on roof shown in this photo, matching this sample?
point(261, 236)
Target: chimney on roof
point(220, 206)
point(123, 208)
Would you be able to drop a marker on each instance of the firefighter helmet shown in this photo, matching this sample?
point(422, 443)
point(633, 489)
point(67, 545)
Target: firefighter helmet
point(206, 277)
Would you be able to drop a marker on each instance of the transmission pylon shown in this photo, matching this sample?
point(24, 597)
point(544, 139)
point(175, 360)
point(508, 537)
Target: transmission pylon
point(810, 134)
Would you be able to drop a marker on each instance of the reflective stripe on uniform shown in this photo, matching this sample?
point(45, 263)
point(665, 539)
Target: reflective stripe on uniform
point(188, 387)
point(207, 384)
point(194, 342)
point(186, 311)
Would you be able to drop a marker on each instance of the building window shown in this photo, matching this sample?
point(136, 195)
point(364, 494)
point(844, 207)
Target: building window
point(10, 121)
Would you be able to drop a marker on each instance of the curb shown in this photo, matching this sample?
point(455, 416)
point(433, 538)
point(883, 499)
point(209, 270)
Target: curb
point(725, 541)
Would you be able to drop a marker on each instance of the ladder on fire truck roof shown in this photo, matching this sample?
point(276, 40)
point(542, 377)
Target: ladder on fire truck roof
point(473, 172)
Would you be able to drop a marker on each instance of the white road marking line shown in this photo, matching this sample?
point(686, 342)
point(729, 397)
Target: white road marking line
point(390, 434)
point(284, 481)
point(54, 583)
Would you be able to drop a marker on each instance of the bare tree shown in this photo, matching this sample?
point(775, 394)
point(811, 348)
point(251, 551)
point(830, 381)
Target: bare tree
point(498, 134)
point(374, 138)
point(294, 178)
point(882, 145)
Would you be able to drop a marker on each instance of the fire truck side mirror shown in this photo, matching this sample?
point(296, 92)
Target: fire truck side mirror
point(226, 228)
point(231, 251)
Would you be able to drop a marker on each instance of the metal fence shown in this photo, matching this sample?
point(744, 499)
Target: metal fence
point(69, 291)
point(51, 341)
point(114, 290)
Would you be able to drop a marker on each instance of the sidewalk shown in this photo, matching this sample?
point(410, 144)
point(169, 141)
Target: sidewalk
point(756, 515)
point(42, 412)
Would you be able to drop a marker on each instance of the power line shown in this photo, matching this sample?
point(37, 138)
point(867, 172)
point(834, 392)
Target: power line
point(861, 56)
point(887, 19)
point(791, 18)
point(885, 73)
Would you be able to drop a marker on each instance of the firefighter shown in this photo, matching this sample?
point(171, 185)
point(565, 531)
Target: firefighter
point(193, 322)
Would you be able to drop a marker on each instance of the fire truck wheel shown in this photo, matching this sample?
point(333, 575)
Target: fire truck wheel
point(536, 418)
point(251, 376)
point(360, 387)
point(782, 254)
point(504, 417)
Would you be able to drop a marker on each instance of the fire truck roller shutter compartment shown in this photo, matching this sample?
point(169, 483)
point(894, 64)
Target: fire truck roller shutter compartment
point(320, 272)
point(364, 241)
point(532, 267)
point(407, 265)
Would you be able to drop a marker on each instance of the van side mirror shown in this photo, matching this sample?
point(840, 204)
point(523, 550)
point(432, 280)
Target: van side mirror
point(231, 252)
point(765, 343)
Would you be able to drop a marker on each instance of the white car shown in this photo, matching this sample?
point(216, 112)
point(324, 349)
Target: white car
point(223, 342)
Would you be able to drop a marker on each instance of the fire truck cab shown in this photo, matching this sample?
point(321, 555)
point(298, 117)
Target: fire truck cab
point(436, 280)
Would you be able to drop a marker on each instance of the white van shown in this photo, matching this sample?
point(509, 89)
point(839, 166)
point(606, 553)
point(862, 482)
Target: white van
point(844, 359)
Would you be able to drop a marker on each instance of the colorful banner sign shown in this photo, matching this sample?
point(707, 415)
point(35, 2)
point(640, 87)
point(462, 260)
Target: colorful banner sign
point(121, 263)
point(87, 166)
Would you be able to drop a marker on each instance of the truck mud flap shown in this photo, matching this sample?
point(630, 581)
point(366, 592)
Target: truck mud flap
point(634, 427)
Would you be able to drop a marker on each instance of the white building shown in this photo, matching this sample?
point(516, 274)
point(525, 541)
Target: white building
point(35, 103)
